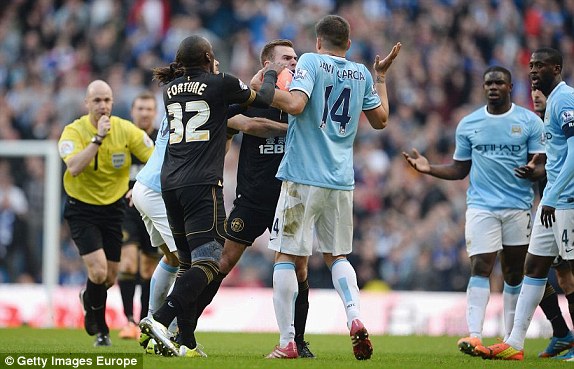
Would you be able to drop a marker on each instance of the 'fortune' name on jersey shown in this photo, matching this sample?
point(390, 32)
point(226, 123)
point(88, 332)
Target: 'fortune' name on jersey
point(196, 88)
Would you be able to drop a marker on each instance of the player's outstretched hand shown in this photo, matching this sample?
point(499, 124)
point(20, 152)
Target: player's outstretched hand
point(277, 67)
point(381, 66)
point(417, 161)
point(257, 80)
point(527, 171)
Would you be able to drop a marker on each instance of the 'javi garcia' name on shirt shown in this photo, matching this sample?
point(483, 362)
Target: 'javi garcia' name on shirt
point(343, 73)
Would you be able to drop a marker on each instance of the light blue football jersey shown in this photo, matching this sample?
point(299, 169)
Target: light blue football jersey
point(150, 174)
point(496, 144)
point(559, 117)
point(319, 143)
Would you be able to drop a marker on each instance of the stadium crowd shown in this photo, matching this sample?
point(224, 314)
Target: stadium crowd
point(409, 228)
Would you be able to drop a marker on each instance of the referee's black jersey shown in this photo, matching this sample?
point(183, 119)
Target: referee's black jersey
point(196, 106)
point(259, 159)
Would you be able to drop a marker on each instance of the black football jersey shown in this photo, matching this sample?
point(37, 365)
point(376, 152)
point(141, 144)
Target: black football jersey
point(259, 159)
point(196, 106)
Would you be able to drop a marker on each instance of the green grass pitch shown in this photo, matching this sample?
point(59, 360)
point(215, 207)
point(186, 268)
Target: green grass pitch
point(238, 351)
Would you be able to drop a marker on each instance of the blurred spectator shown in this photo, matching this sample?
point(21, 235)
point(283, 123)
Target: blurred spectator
point(14, 251)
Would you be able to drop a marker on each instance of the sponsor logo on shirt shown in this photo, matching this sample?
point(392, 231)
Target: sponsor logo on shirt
point(66, 148)
point(493, 148)
point(118, 160)
point(568, 117)
point(147, 141)
point(299, 74)
point(516, 130)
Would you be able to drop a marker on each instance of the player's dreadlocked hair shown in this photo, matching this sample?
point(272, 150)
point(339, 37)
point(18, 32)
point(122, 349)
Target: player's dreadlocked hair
point(193, 52)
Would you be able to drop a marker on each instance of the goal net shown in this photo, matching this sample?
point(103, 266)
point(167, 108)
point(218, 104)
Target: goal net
point(52, 203)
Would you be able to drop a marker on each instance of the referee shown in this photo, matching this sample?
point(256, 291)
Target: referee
point(97, 151)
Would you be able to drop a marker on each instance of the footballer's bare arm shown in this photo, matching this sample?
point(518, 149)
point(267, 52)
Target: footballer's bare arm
point(453, 171)
point(256, 126)
point(292, 102)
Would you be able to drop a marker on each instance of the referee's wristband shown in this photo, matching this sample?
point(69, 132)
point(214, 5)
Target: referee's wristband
point(96, 140)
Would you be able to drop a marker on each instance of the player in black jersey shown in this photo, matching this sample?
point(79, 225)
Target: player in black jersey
point(138, 258)
point(257, 194)
point(196, 102)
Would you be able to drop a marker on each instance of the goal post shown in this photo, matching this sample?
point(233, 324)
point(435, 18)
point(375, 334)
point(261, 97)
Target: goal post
point(52, 207)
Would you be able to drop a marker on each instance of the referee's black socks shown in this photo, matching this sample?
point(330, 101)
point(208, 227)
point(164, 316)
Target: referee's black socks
point(97, 294)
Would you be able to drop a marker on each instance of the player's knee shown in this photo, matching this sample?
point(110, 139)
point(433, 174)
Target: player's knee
point(128, 257)
point(209, 267)
point(184, 266)
point(481, 265)
point(129, 269)
point(301, 277)
point(147, 265)
point(128, 265)
point(171, 259)
point(567, 287)
point(330, 259)
point(146, 272)
point(565, 280)
point(537, 266)
point(301, 271)
point(230, 255)
point(97, 275)
point(513, 278)
point(207, 257)
point(513, 274)
point(208, 251)
point(224, 265)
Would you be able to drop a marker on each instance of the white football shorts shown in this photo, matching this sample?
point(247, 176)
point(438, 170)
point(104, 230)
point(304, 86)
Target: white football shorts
point(305, 211)
point(152, 209)
point(487, 230)
point(556, 240)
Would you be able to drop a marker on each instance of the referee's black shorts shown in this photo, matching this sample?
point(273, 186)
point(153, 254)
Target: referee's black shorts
point(95, 227)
